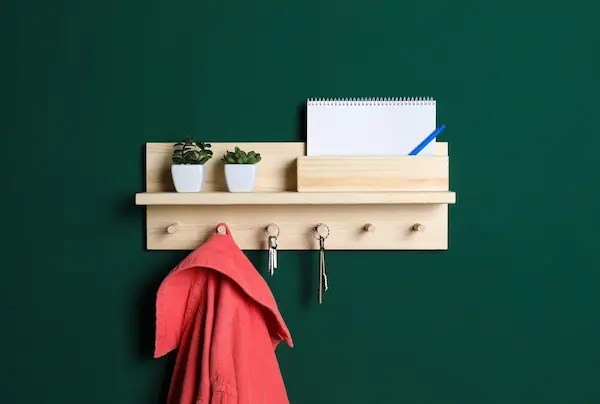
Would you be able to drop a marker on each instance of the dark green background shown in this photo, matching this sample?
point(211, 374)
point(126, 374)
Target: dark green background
point(509, 314)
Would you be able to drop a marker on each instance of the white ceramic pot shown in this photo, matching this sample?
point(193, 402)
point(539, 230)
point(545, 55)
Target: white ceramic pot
point(188, 177)
point(240, 177)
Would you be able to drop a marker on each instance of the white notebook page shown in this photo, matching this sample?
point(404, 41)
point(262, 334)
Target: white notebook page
point(369, 127)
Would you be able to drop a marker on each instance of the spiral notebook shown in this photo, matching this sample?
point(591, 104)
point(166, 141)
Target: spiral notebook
point(369, 126)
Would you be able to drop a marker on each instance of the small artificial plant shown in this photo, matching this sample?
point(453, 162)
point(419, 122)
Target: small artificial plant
point(240, 157)
point(191, 151)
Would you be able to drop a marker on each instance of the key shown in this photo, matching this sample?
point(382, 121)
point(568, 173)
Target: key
point(270, 259)
point(274, 246)
point(272, 254)
point(320, 276)
point(323, 284)
point(321, 232)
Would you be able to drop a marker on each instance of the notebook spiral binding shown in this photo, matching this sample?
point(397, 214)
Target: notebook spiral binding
point(371, 101)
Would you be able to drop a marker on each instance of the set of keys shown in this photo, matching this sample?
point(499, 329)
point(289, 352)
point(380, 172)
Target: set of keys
point(323, 285)
point(272, 232)
point(321, 232)
point(272, 254)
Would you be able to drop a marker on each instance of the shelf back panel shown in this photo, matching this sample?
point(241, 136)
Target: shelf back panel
point(276, 171)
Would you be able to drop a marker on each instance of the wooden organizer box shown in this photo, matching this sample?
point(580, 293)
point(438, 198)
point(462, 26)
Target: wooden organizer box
point(373, 174)
point(396, 203)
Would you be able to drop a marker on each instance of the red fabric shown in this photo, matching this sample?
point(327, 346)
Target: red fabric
point(221, 315)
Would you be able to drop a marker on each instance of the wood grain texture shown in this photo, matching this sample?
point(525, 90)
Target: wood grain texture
point(346, 223)
point(275, 201)
point(293, 198)
point(275, 172)
point(372, 174)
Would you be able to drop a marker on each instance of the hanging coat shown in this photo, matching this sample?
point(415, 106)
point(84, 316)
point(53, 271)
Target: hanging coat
point(220, 314)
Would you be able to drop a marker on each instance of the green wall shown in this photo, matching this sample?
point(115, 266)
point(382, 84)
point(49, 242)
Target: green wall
point(509, 314)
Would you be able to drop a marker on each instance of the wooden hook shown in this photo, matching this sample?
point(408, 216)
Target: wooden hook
point(322, 230)
point(272, 230)
point(418, 227)
point(174, 228)
point(221, 230)
point(369, 227)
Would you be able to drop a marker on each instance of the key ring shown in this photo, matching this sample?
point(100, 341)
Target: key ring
point(316, 231)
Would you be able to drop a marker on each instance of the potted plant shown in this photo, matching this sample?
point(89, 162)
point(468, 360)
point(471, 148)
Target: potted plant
point(189, 157)
point(240, 170)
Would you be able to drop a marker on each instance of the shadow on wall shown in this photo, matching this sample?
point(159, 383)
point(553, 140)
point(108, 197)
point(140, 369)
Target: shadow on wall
point(145, 299)
point(308, 279)
point(301, 124)
point(146, 317)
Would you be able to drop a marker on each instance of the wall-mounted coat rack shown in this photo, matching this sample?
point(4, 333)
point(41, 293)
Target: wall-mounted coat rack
point(368, 203)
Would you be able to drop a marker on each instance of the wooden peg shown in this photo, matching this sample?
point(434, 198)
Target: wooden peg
point(369, 227)
point(322, 230)
point(221, 230)
point(272, 230)
point(418, 227)
point(174, 228)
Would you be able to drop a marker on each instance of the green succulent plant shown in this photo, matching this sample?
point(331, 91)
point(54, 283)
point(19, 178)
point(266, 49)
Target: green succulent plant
point(190, 151)
point(241, 157)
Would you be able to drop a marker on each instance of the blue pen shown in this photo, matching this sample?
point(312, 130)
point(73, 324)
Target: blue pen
point(427, 140)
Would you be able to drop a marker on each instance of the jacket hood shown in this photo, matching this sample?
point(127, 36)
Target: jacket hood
point(178, 294)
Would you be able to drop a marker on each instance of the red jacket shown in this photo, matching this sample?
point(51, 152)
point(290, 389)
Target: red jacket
point(218, 310)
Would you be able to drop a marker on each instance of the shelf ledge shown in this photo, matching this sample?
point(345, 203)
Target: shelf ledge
point(294, 198)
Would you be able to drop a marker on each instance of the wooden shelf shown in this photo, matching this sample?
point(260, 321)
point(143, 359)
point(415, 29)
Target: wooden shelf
point(294, 198)
point(403, 202)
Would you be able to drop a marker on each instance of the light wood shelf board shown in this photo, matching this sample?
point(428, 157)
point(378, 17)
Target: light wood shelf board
point(393, 226)
point(294, 198)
